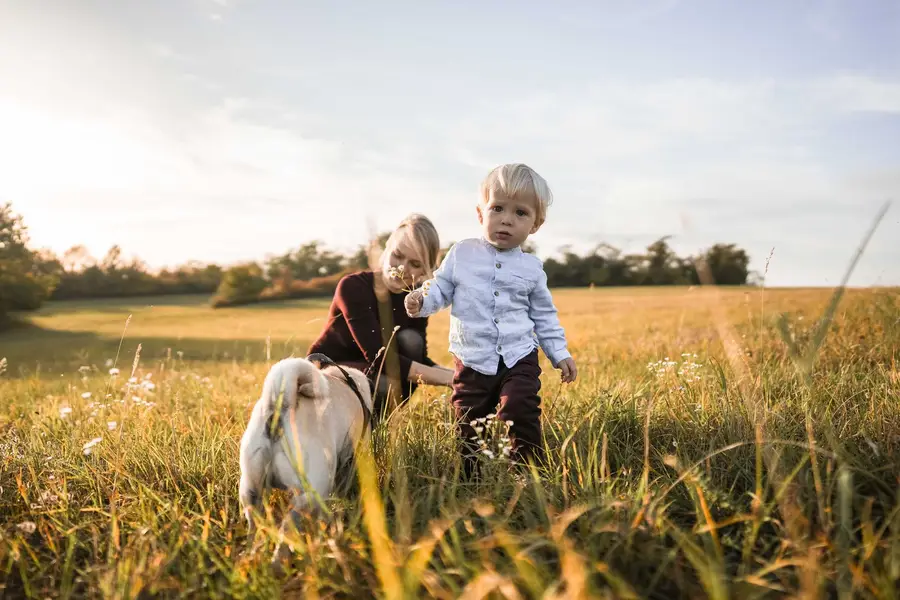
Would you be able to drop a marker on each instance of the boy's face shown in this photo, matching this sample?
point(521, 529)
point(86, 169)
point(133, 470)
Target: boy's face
point(507, 223)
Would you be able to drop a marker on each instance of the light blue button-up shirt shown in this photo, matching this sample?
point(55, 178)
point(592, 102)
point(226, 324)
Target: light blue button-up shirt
point(501, 306)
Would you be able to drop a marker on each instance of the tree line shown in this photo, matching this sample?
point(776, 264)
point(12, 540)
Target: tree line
point(29, 277)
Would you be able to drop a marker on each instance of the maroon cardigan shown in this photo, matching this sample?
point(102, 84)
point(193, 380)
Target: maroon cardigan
point(352, 334)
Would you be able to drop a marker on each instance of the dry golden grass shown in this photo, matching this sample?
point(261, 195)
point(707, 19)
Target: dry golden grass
point(716, 476)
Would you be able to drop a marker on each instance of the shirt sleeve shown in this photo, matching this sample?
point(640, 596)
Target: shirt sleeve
point(361, 315)
point(440, 288)
point(547, 328)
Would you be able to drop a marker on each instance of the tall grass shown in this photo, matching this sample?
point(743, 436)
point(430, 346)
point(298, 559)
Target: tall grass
point(691, 459)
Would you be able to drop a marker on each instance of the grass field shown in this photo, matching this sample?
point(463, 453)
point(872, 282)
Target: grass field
point(694, 457)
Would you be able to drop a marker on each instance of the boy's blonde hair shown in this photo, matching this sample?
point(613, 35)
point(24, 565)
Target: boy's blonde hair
point(519, 181)
point(419, 232)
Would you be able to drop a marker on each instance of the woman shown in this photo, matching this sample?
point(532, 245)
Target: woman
point(368, 306)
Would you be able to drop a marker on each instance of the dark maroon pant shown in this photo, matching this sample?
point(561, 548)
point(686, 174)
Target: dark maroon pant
point(512, 393)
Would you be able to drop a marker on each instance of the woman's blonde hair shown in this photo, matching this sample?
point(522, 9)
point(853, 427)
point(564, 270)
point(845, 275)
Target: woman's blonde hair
point(419, 232)
point(519, 181)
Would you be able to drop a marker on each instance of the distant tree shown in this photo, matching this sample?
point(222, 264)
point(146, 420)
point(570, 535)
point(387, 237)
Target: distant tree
point(727, 264)
point(241, 284)
point(663, 266)
point(25, 281)
point(77, 258)
point(306, 262)
point(81, 276)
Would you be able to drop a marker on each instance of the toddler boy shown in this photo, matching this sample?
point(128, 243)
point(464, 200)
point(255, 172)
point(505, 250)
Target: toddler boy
point(502, 311)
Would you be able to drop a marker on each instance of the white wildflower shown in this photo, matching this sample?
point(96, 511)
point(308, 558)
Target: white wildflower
point(27, 527)
point(87, 447)
point(111, 425)
point(113, 371)
point(65, 411)
point(109, 362)
point(86, 395)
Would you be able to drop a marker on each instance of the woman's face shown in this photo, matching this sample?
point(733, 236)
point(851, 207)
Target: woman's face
point(404, 267)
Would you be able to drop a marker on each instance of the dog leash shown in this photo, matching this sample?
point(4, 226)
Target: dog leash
point(320, 358)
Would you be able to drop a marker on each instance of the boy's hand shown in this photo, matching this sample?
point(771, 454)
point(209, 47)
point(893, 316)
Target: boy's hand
point(569, 372)
point(413, 302)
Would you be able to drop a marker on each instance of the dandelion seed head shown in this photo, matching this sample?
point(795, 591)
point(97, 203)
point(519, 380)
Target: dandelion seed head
point(27, 527)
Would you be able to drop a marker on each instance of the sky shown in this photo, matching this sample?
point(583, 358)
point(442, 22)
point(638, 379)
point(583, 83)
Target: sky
point(230, 130)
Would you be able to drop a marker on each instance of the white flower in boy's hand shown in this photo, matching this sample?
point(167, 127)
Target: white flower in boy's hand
point(413, 302)
point(568, 370)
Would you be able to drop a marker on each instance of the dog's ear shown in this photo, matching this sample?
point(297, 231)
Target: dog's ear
point(307, 390)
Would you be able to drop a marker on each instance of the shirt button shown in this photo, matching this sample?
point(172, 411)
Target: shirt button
point(496, 293)
point(499, 348)
point(499, 265)
point(496, 320)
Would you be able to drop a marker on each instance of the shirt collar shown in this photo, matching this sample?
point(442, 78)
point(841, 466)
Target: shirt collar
point(494, 249)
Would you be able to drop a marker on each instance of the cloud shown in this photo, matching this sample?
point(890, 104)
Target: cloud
point(239, 187)
point(857, 93)
point(743, 161)
point(703, 159)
